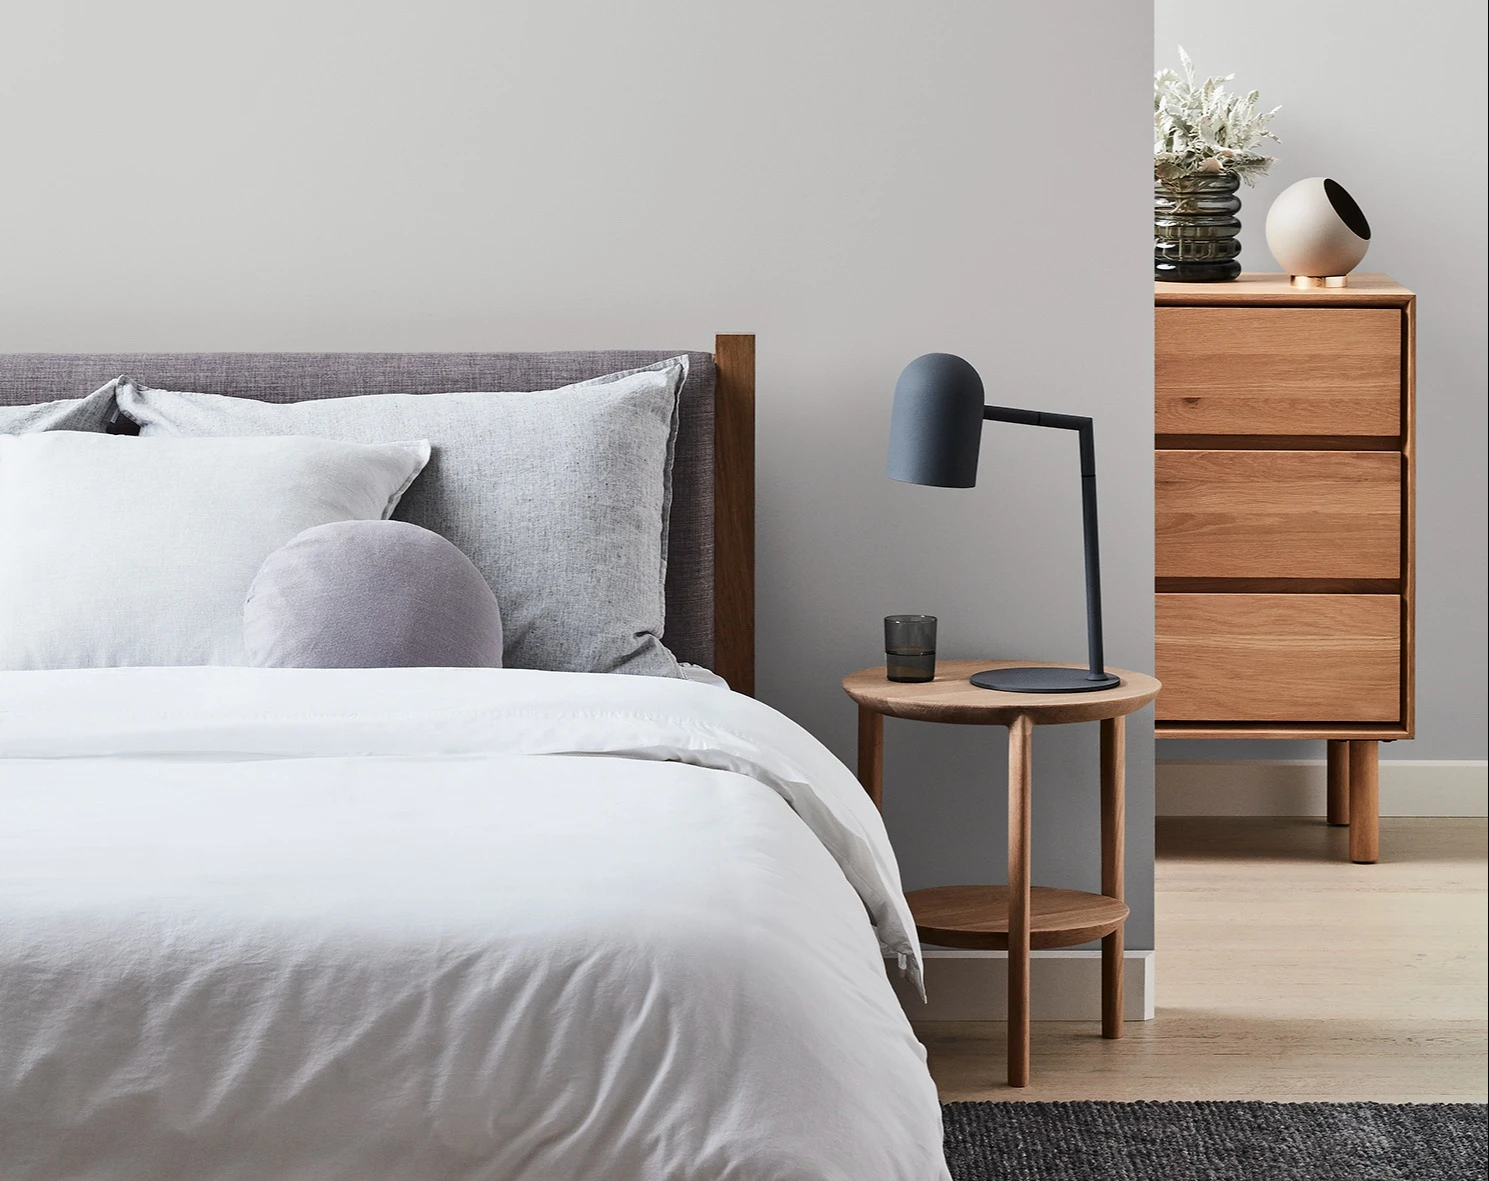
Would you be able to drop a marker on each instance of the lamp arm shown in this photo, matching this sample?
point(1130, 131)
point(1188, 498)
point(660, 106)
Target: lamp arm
point(1084, 428)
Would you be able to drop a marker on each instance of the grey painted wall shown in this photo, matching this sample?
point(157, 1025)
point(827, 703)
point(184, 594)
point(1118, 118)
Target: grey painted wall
point(1388, 99)
point(855, 182)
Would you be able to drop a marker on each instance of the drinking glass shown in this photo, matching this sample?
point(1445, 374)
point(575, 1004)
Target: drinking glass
point(910, 647)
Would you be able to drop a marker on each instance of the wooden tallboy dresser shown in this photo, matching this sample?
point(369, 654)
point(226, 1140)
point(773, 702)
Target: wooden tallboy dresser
point(1284, 466)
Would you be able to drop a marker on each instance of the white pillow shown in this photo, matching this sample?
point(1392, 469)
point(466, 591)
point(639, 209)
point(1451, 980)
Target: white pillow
point(117, 550)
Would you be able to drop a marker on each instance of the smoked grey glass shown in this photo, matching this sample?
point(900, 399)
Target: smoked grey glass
point(910, 647)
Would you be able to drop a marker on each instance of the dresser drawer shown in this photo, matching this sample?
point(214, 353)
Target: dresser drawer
point(1278, 371)
point(1278, 514)
point(1279, 658)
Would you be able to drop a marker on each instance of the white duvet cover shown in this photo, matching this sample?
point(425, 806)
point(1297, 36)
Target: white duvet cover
point(435, 923)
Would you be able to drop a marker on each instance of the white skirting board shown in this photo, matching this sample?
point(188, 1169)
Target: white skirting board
point(1298, 787)
point(1063, 986)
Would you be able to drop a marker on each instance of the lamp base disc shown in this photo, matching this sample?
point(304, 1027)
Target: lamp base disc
point(1320, 280)
point(1045, 680)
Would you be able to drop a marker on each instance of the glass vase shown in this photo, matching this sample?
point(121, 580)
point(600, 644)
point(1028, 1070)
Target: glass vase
point(1195, 228)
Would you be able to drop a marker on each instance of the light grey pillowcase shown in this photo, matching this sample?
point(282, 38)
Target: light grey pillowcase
point(123, 551)
point(90, 413)
point(371, 594)
point(561, 498)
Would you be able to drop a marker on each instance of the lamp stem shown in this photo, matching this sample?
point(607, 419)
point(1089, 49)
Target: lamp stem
point(1085, 430)
point(1093, 551)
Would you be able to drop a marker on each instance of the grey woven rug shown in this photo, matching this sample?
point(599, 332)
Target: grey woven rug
point(1216, 1141)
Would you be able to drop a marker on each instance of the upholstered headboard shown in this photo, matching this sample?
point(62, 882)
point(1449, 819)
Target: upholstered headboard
point(710, 571)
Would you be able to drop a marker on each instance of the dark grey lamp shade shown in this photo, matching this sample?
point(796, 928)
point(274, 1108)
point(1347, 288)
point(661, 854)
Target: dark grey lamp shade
point(935, 428)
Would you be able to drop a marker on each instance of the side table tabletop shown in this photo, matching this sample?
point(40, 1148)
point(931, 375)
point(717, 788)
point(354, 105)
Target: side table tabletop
point(1018, 916)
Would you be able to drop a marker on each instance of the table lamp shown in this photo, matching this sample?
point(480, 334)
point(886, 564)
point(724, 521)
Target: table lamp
point(935, 434)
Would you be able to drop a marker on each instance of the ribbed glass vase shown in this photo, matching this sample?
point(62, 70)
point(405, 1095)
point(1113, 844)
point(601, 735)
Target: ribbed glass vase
point(1195, 228)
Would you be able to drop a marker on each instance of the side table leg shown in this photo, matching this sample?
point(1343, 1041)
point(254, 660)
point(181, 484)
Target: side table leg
point(1020, 743)
point(871, 753)
point(1364, 801)
point(1113, 865)
point(1338, 782)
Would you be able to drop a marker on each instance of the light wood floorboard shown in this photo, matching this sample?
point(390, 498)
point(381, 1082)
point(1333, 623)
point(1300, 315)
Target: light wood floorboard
point(1284, 973)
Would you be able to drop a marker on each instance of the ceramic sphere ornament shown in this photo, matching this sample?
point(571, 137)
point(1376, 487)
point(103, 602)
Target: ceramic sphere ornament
point(1317, 232)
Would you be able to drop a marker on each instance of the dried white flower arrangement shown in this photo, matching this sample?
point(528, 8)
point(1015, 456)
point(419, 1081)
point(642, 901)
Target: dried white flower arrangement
point(1200, 127)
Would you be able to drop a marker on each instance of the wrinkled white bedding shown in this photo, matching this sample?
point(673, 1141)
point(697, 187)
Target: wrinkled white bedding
point(436, 923)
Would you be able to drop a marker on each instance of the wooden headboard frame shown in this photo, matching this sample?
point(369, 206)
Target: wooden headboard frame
point(734, 511)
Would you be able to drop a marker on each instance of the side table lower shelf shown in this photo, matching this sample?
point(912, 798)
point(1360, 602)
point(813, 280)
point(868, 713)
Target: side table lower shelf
point(977, 916)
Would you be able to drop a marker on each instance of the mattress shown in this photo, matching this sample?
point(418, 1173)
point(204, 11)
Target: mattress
point(443, 923)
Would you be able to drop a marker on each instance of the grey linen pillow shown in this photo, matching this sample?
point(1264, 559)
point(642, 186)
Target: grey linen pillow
point(371, 594)
point(560, 497)
point(89, 413)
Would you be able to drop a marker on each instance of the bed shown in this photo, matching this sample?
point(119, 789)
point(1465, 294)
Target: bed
point(451, 922)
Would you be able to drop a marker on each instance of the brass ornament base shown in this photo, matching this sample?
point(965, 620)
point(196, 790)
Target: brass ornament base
point(1319, 280)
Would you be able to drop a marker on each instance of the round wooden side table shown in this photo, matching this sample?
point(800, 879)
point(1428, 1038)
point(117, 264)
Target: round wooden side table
point(1018, 916)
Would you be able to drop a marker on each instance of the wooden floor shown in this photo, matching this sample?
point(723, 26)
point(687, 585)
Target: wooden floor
point(1284, 973)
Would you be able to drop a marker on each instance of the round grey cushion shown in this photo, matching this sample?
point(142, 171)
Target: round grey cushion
point(371, 594)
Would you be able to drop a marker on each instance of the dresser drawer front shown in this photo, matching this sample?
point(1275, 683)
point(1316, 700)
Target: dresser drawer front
point(1278, 371)
point(1279, 658)
point(1278, 514)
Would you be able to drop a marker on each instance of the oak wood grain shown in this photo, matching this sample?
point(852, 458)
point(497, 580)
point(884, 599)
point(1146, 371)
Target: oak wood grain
point(1277, 514)
point(1264, 289)
point(951, 697)
point(1305, 731)
point(1347, 395)
point(1364, 802)
point(977, 916)
point(1284, 370)
point(1017, 916)
point(1338, 760)
point(1018, 903)
point(1260, 366)
point(1279, 658)
point(1409, 525)
point(734, 511)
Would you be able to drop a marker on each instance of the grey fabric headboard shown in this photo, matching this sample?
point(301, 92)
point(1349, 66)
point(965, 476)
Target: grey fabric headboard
point(27, 378)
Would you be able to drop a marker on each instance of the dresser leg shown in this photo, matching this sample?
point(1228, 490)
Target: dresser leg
point(1020, 742)
point(871, 753)
point(1113, 868)
point(1364, 801)
point(1338, 782)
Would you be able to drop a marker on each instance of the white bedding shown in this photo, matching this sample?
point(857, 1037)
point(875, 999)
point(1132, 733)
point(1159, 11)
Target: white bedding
point(442, 923)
